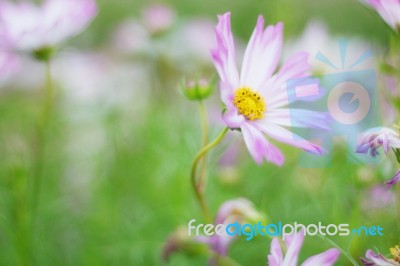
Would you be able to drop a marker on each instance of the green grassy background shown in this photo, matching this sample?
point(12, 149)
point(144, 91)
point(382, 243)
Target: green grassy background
point(141, 191)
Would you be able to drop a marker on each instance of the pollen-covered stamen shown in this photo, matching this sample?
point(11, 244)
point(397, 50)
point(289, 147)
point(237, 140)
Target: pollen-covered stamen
point(395, 251)
point(249, 103)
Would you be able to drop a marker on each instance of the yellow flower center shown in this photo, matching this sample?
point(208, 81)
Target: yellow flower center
point(395, 251)
point(249, 103)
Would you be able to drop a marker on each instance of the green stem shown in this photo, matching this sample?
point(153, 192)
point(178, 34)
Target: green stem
point(346, 253)
point(397, 187)
point(40, 141)
point(20, 211)
point(199, 156)
point(202, 181)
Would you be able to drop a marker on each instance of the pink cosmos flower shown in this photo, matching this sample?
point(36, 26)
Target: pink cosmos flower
point(27, 27)
point(372, 259)
point(293, 245)
point(255, 99)
point(388, 138)
point(389, 10)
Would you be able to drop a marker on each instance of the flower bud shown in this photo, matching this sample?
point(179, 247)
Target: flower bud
point(44, 54)
point(197, 90)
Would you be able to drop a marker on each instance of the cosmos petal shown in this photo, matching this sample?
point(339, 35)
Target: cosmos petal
point(293, 251)
point(262, 55)
point(259, 147)
point(223, 55)
point(283, 135)
point(276, 257)
point(327, 258)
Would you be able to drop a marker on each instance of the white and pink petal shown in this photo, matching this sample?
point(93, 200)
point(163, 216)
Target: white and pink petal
point(299, 118)
point(259, 147)
point(283, 135)
point(294, 246)
point(224, 54)
point(262, 55)
point(275, 258)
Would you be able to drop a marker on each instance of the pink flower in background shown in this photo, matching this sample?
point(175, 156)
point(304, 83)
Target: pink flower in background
point(9, 65)
point(394, 180)
point(131, 37)
point(293, 246)
point(377, 198)
point(238, 210)
point(255, 100)
point(94, 79)
point(197, 35)
point(374, 138)
point(158, 17)
point(27, 27)
point(372, 259)
point(389, 10)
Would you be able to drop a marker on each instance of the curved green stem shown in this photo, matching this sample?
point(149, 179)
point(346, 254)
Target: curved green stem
point(344, 252)
point(204, 126)
point(199, 156)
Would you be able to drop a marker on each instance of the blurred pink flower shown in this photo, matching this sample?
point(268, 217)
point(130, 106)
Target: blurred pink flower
point(394, 180)
point(389, 10)
point(378, 197)
point(94, 79)
point(9, 65)
point(27, 27)
point(373, 138)
point(388, 138)
point(131, 37)
point(158, 17)
point(255, 100)
point(293, 246)
point(238, 210)
point(372, 259)
point(198, 37)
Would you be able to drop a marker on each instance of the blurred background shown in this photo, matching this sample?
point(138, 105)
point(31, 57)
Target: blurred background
point(116, 177)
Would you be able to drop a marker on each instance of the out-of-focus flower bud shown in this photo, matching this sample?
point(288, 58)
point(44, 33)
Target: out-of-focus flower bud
point(44, 54)
point(238, 210)
point(179, 241)
point(197, 90)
